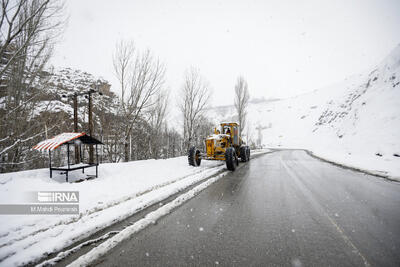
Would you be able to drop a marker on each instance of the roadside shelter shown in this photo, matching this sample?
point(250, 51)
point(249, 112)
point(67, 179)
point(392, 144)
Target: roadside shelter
point(70, 139)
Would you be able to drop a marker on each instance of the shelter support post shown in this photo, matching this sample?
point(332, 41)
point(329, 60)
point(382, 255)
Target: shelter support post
point(97, 161)
point(97, 155)
point(51, 171)
point(68, 155)
point(66, 172)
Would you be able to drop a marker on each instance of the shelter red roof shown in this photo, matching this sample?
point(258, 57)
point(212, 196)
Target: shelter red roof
point(56, 141)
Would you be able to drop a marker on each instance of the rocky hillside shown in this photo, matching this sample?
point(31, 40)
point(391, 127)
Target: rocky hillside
point(64, 82)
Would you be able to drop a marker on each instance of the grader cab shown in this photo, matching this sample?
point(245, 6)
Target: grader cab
point(225, 144)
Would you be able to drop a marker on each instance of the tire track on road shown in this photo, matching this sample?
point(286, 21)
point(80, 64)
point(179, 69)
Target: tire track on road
point(307, 193)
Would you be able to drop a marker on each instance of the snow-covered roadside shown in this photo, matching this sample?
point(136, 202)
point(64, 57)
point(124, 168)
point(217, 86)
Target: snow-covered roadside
point(361, 162)
point(384, 166)
point(260, 151)
point(149, 219)
point(121, 190)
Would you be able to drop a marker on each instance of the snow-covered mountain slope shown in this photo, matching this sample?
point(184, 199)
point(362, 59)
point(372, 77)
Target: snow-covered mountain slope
point(356, 122)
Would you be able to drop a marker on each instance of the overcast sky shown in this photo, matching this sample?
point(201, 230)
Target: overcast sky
point(282, 48)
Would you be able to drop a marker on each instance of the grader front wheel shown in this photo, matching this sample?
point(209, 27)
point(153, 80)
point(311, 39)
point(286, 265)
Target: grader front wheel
point(231, 159)
point(194, 157)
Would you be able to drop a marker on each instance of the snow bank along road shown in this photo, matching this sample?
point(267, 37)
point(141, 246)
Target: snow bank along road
point(122, 191)
point(284, 208)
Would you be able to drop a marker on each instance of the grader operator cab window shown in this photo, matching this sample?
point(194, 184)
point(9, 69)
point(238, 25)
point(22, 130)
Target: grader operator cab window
point(227, 130)
point(235, 135)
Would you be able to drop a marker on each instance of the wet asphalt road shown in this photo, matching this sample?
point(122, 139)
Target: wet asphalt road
point(281, 209)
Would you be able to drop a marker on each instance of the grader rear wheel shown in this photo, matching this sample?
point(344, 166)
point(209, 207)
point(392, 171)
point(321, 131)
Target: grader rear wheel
point(248, 153)
point(243, 153)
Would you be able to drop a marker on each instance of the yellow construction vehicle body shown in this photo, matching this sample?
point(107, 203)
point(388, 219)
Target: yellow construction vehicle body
point(226, 136)
point(225, 144)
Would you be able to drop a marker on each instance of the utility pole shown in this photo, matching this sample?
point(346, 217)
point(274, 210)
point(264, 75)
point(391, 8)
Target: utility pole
point(77, 156)
point(90, 125)
point(74, 97)
point(259, 128)
point(87, 94)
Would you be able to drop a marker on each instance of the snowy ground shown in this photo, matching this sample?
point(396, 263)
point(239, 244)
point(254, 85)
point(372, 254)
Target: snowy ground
point(121, 190)
point(354, 123)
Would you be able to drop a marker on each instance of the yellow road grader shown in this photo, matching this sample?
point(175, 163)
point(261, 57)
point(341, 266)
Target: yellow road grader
point(225, 144)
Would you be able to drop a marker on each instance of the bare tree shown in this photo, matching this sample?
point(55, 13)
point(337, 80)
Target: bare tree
point(28, 30)
point(203, 128)
point(241, 101)
point(196, 94)
point(122, 62)
point(141, 77)
point(157, 115)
